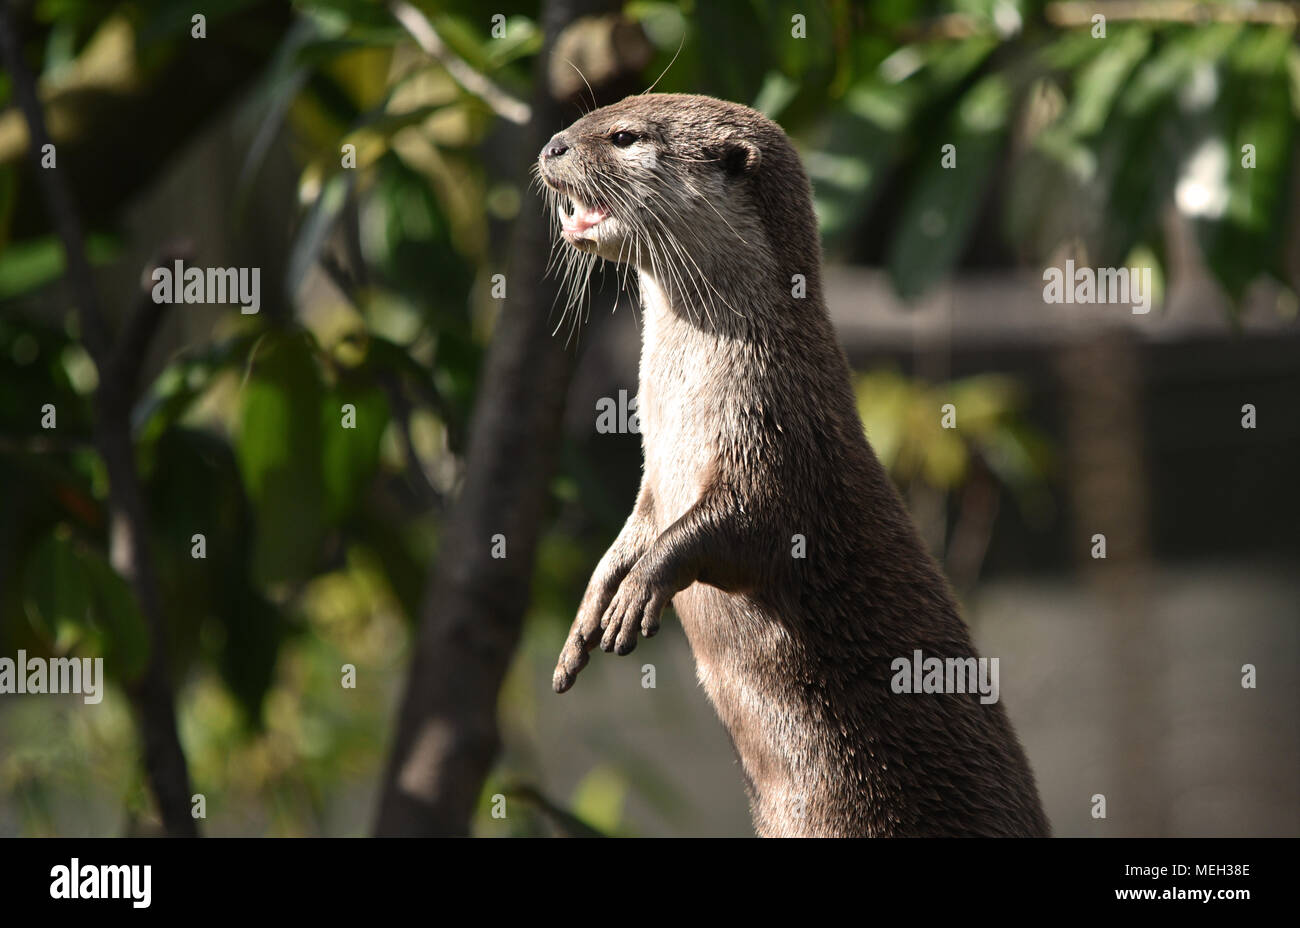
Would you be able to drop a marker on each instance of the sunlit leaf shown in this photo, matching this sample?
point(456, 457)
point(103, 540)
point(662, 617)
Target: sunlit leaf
point(1242, 224)
point(598, 799)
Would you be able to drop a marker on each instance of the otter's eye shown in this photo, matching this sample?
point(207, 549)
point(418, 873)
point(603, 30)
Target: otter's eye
point(623, 139)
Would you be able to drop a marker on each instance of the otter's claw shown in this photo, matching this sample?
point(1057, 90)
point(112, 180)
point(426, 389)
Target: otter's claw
point(635, 608)
point(619, 603)
point(583, 635)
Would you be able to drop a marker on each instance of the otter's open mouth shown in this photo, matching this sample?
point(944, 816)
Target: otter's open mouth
point(580, 218)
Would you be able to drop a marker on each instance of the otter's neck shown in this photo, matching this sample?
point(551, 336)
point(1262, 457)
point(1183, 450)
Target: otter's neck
point(742, 296)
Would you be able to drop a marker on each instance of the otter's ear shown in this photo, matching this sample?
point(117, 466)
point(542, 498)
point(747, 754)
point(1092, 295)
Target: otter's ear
point(740, 156)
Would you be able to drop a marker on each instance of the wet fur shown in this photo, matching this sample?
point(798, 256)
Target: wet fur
point(751, 435)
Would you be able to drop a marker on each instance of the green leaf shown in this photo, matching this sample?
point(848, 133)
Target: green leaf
point(33, 263)
point(1169, 69)
point(351, 455)
point(56, 597)
point(73, 597)
point(1248, 237)
point(1098, 84)
point(280, 456)
point(740, 25)
point(407, 235)
point(863, 139)
point(522, 38)
point(937, 218)
point(254, 630)
point(1148, 132)
point(866, 134)
point(126, 638)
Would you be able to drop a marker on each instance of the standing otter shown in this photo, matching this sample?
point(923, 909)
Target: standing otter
point(751, 436)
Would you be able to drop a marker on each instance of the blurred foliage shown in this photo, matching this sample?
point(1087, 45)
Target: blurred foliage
point(941, 441)
point(905, 422)
point(318, 537)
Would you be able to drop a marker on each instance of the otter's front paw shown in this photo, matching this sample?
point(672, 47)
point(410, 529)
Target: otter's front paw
point(585, 630)
point(635, 607)
point(582, 638)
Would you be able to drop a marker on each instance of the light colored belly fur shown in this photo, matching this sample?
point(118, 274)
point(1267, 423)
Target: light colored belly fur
point(687, 380)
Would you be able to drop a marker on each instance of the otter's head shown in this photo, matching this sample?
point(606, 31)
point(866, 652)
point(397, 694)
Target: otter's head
point(664, 181)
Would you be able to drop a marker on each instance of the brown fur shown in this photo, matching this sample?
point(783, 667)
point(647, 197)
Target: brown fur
point(751, 435)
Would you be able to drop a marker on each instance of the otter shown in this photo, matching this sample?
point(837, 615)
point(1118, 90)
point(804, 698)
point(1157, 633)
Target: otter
point(751, 436)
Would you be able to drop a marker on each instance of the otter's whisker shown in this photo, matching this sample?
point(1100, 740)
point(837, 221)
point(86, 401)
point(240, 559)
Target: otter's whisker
point(680, 46)
point(594, 103)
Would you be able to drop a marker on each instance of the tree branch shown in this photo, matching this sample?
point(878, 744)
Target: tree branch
point(418, 25)
point(126, 359)
point(1070, 13)
point(151, 694)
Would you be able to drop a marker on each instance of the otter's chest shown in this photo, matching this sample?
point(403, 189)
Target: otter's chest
point(685, 394)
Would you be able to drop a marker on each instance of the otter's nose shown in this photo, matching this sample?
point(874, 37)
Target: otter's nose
point(555, 147)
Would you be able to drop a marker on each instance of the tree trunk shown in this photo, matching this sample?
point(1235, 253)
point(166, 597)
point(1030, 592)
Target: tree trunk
point(446, 738)
point(118, 367)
